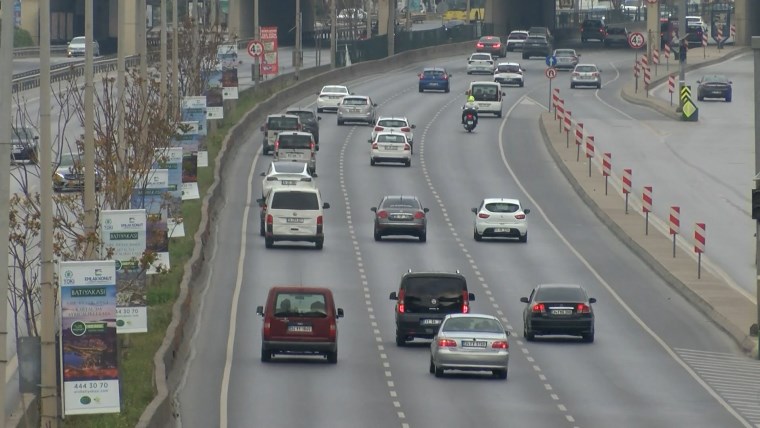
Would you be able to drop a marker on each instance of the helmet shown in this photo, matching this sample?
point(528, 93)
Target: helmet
point(470, 99)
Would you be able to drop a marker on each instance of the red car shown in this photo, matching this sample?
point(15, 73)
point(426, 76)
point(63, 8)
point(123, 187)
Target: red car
point(300, 320)
point(492, 45)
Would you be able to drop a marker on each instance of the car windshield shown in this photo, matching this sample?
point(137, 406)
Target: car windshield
point(509, 68)
point(335, 89)
point(388, 138)
point(283, 123)
point(502, 207)
point(473, 324)
point(304, 115)
point(715, 79)
point(485, 92)
point(392, 123)
point(585, 69)
point(426, 294)
point(433, 74)
point(354, 101)
point(490, 39)
point(77, 41)
point(481, 57)
point(519, 36)
point(67, 160)
point(560, 294)
point(297, 141)
point(564, 52)
point(400, 203)
point(295, 201)
point(289, 167)
point(22, 134)
point(310, 305)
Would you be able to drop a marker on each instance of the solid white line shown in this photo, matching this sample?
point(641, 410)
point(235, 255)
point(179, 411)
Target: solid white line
point(236, 298)
point(602, 281)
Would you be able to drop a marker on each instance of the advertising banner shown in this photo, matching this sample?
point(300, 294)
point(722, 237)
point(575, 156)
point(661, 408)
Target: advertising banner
point(228, 61)
point(89, 355)
point(123, 233)
point(270, 61)
point(214, 95)
point(171, 160)
point(194, 110)
point(188, 137)
point(152, 196)
point(190, 177)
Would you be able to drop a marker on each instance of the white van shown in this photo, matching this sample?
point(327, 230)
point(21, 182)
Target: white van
point(488, 97)
point(295, 215)
point(296, 146)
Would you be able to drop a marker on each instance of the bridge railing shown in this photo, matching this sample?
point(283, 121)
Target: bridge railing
point(34, 51)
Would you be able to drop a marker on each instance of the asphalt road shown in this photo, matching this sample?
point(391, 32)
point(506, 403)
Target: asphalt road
point(636, 374)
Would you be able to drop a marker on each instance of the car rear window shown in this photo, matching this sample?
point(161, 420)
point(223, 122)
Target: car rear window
point(294, 141)
point(283, 123)
point(481, 57)
point(305, 116)
point(509, 69)
point(490, 39)
point(519, 36)
point(486, 325)
point(715, 79)
point(385, 138)
point(502, 207)
point(433, 74)
point(585, 68)
point(564, 52)
point(354, 101)
point(485, 92)
point(401, 203)
point(289, 167)
point(434, 294)
point(335, 89)
point(560, 294)
point(295, 201)
point(392, 123)
point(310, 305)
point(536, 39)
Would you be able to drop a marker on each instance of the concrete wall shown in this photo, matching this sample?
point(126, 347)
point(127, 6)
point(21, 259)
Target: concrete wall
point(521, 14)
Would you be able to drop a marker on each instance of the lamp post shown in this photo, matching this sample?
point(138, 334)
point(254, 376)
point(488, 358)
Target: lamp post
point(333, 34)
point(89, 131)
point(756, 51)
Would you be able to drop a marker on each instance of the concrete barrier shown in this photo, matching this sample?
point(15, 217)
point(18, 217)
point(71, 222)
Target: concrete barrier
point(285, 90)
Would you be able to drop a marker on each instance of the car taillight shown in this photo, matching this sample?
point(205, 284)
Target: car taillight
point(374, 146)
point(379, 128)
point(497, 45)
point(601, 30)
point(276, 145)
point(270, 219)
point(483, 215)
point(272, 179)
point(576, 74)
point(406, 129)
point(447, 343)
point(500, 344)
point(445, 77)
point(480, 45)
point(575, 58)
point(407, 147)
point(401, 306)
point(595, 74)
point(419, 214)
point(465, 302)
point(319, 220)
point(538, 307)
point(267, 328)
point(520, 216)
point(333, 331)
point(382, 214)
point(583, 308)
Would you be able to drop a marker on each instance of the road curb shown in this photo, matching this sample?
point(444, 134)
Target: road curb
point(628, 94)
point(748, 344)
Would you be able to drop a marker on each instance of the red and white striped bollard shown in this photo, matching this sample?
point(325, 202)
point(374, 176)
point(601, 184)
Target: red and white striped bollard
point(671, 86)
point(589, 151)
point(675, 224)
point(559, 112)
point(627, 173)
point(647, 206)
point(555, 98)
point(699, 245)
point(578, 140)
point(568, 127)
point(733, 31)
point(606, 168)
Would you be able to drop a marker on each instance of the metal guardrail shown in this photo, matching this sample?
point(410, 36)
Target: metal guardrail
point(34, 51)
point(68, 70)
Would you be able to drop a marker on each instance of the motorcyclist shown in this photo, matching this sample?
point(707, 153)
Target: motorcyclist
point(470, 108)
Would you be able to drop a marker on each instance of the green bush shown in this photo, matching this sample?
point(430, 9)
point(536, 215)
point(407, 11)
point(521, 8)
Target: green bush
point(22, 39)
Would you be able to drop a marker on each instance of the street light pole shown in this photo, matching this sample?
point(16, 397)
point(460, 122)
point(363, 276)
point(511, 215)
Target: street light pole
point(48, 376)
point(121, 153)
point(175, 55)
point(89, 132)
point(756, 50)
point(162, 83)
point(391, 28)
point(297, 51)
point(333, 34)
point(256, 35)
point(681, 36)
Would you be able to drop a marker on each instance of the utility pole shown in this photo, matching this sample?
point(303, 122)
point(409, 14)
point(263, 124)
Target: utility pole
point(391, 28)
point(467, 12)
point(49, 376)
point(175, 56)
point(297, 51)
point(755, 43)
point(162, 83)
point(681, 63)
point(256, 35)
point(196, 23)
point(368, 7)
point(6, 133)
point(333, 34)
point(121, 152)
point(89, 132)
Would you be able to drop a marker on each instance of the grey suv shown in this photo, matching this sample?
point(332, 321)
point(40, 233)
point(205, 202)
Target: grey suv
point(309, 120)
point(536, 46)
point(424, 299)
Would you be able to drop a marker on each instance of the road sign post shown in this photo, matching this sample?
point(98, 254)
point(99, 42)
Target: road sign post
point(550, 74)
point(627, 173)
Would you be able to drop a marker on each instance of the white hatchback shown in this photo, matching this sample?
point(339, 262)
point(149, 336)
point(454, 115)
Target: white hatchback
point(287, 174)
point(330, 97)
point(480, 63)
point(390, 147)
point(501, 217)
point(509, 73)
point(395, 124)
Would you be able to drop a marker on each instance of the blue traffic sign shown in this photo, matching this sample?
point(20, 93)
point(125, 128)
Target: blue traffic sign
point(551, 61)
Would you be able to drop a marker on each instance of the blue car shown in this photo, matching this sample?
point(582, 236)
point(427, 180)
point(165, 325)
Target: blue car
point(435, 78)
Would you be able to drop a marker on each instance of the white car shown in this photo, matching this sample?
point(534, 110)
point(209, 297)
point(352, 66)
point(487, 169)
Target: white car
point(287, 174)
point(395, 124)
point(501, 217)
point(586, 75)
point(77, 45)
point(294, 214)
point(330, 97)
point(480, 63)
point(390, 147)
point(516, 39)
point(509, 73)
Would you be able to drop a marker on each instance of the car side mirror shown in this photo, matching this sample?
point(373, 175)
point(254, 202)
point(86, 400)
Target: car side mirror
point(526, 210)
point(260, 202)
point(369, 140)
point(578, 55)
point(474, 210)
point(316, 148)
point(393, 296)
point(260, 310)
point(373, 209)
point(351, 93)
point(317, 93)
point(524, 299)
point(451, 74)
point(37, 137)
point(471, 297)
point(263, 174)
point(508, 333)
point(729, 82)
point(340, 313)
point(374, 105)
point(325, 205)
point(592, 300)
point(314, 174)
point(415, 126)
point(426, 210)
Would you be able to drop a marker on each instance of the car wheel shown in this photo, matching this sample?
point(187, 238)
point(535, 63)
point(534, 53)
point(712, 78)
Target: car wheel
point(432, 366)
point(572, 86)
point(501, 374)
point(266, 356)
point(371, 161)
point(332, 357)
point(340, 122)
point(319, 243)
point(262, 231)
point(438, 372)
point(268, 242)
point(498, 114)
point(700, 98)
point(728, 99)
point(528, 334)
point(478, 237)
point(400, 340)
point(447, 90)
point(264, 150)
point(598, 86)
point(408, 163)
point(421, 90)
point(423, 236)
point(522, 84)
point(469, 72)
point(523, 238)
point(589, 338)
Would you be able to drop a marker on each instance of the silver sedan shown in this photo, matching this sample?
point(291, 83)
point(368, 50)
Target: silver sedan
point(586, 75)
point(471, 342)
point(357, 108)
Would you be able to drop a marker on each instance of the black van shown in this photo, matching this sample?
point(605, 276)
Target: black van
point(424, 299)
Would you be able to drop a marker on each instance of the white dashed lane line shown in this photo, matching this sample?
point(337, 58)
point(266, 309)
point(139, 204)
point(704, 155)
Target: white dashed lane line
point(481, 280)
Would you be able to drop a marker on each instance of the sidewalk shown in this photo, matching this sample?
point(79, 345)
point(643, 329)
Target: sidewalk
point(725, 305)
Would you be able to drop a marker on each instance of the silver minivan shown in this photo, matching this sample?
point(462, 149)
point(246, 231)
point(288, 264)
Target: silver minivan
point(296, 146)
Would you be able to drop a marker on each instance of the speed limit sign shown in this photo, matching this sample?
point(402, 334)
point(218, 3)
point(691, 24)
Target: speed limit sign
point(255, 48)
point(636, 40)
point(550, 73)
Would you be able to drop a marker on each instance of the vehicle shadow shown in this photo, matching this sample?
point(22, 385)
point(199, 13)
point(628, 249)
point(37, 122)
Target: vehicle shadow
point(400, 239)
point(570, 340)
point(293, 246)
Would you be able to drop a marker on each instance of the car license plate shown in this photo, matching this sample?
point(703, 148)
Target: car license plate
point(293, 220)
point(294, 155)
point(501, 230)
point(433, 84)
point(473, 344)
point(299, 328)
point(562, 311)
point(430, 322)
point(717, 93)
point(355, 110)
point(390, 148)
point(288, 182)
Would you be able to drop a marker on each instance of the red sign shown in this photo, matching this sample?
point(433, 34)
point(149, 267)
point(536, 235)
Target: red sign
point(550, 73)
point(270, 64)
point(636, 40)
point(675, 219)
point(255, 48)
point(627, 180)
point(607, 164)
point(647, 198)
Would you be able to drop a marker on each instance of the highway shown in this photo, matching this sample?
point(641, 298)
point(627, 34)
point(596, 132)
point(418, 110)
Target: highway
point(637, 373)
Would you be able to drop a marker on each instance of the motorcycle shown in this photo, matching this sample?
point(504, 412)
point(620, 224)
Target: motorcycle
point(469, 122)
